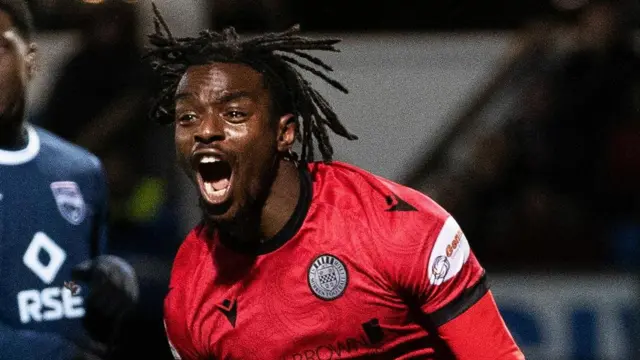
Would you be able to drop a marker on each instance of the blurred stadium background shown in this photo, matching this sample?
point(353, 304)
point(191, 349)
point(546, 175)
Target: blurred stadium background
point(520, 117)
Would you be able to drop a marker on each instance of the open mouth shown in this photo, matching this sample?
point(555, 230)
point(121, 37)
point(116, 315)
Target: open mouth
point(214, 178)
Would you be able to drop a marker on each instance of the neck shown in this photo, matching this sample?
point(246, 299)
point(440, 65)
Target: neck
point(282, 200)
point(276, 209)
point(12, 133)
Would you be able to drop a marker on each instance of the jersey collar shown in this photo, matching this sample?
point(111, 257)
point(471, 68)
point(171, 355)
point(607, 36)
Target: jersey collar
point(290, 228)
point(25, 155)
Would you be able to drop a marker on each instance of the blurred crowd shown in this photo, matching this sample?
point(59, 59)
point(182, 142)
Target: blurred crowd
point(556, 186)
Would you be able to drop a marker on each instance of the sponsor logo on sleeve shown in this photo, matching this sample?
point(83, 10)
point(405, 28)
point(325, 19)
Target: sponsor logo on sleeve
point(450, 252)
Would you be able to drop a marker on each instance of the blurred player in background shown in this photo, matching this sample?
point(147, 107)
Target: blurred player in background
point(296, 259)
point(53, 200)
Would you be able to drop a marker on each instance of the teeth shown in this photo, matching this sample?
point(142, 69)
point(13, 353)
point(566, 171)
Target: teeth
point(209, 159)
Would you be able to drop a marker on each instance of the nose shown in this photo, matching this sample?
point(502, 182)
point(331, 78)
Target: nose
point(209, 130)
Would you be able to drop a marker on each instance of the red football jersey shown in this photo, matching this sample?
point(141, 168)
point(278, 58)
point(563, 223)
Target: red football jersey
point(365, 268)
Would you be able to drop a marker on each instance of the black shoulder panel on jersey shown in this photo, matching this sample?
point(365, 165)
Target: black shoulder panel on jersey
point(463, 302)
point(397, 204)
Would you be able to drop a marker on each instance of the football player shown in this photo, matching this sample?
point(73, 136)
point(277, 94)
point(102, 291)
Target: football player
point(53, 201)
point(298, 259)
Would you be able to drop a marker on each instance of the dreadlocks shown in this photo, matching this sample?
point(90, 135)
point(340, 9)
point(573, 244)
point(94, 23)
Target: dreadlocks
point(272, 54)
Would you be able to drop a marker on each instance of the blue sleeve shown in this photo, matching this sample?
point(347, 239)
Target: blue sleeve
point(26, 344)
point(100, 231)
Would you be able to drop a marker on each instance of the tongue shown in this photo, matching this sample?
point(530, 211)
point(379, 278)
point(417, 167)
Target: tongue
point(220, 184)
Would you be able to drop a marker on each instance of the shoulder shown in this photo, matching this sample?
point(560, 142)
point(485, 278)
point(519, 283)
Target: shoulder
point(389, 205)
point(65, 155)
point(402, 224)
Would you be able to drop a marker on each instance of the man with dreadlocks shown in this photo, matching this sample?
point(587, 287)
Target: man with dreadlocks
point(296, 259)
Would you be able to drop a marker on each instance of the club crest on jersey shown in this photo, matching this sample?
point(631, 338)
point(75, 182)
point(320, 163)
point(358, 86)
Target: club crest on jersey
point(327, 277)
point(69, 200)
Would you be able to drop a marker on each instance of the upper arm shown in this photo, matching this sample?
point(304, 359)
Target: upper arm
point(454, 279)
point(449, 286)
point(479, 333)
point(442, 276)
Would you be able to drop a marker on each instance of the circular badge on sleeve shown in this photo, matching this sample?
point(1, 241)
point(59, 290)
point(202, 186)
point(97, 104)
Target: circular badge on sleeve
point(328, 277)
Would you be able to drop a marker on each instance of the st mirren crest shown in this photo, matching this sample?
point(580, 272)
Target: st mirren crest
point(327, 277)
point(69, 200)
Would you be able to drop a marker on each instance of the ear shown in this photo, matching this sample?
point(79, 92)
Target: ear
point(286, 132)
point(30, 60)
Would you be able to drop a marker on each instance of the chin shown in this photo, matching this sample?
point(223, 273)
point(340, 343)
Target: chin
point(217, 213)
point(236, 219)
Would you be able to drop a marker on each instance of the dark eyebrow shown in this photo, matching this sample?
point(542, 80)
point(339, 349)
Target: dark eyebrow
point(226, 97)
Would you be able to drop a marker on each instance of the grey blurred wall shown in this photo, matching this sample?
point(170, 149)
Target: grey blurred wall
point(404, 88)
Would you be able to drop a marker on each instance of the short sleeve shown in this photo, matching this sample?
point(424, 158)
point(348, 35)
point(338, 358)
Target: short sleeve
point(444, 276)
